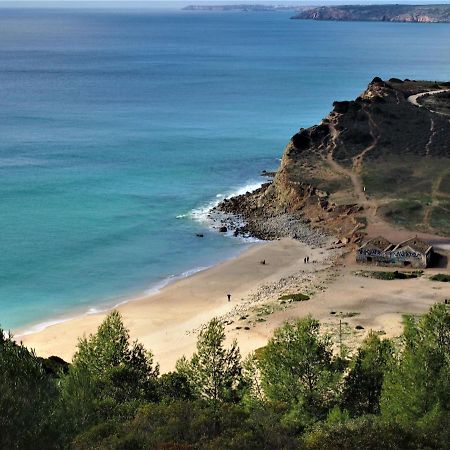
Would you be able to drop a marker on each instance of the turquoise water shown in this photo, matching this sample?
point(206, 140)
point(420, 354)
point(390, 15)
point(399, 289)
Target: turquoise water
point(119, 128)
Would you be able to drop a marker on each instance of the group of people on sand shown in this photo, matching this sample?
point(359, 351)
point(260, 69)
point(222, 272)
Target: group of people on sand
point(306, 259)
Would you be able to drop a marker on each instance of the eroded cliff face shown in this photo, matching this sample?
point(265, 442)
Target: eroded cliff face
point(325, 169)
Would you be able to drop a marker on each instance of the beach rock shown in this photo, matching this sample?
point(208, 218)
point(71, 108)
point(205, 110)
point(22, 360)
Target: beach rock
point(223, 229)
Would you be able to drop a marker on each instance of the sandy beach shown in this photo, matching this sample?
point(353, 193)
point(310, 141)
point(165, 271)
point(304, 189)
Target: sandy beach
point(168, 322)
point(163, 322)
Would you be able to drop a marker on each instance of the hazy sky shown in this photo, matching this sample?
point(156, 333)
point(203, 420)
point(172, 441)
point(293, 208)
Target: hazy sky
point(180, 3)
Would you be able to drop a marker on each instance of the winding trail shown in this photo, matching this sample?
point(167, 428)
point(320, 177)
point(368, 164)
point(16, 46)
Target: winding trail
point(370, 206)
point(358, 159)
point(357, 185)
point(413, 98)
point(354, 173)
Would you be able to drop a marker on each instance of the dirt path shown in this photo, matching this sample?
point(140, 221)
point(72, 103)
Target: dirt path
point(413, 98)
point(370, 206)
point(354, 178)
point(358, 159)
point(430, 139)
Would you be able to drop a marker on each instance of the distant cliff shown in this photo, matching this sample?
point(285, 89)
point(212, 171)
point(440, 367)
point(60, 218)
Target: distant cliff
point(379, 13)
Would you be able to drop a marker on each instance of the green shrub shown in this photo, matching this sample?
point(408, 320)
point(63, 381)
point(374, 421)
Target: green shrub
point(444, 277)
point(295, 297)
point(396, 275)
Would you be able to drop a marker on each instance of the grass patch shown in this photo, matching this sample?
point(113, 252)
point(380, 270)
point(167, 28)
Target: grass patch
point(440, 217)
point(444, 185)
point(294, 297)
point(387, 180)
point(407, 213)
point(396, 275)
point(400, 177)
point(444, 277)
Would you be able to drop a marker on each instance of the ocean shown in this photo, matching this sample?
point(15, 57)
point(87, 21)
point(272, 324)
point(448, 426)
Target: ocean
point(120, 128)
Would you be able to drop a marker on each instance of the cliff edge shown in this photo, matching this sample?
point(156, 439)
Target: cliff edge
point(384, 156)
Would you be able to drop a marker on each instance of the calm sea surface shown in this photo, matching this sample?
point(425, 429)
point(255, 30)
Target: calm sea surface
point(118, 129)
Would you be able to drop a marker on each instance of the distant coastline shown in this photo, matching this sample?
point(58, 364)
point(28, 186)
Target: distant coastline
point(379, 13)
point(355, 13)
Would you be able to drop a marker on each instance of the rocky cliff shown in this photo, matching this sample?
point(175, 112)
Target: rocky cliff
point(379, 13)
point(382, 155)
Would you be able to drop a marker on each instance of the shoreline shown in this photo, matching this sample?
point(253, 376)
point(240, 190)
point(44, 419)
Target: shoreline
point(103, 308)
point(200, 214)
point(166, 322)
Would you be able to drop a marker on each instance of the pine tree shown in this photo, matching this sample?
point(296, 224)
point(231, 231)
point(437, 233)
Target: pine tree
point(214, 372)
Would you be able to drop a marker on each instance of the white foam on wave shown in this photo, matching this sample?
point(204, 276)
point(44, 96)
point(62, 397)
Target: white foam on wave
point(42, 326)
point(201, 213)
point(154, 289)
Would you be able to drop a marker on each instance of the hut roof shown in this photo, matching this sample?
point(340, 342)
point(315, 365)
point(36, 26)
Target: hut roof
point(416, 244)
point(379, 243)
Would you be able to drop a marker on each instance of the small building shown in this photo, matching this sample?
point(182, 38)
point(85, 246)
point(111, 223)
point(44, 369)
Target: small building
point(375, 251)
point(413, 253)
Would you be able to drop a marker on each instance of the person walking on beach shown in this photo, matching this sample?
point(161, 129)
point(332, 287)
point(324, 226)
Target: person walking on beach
point(229, 297)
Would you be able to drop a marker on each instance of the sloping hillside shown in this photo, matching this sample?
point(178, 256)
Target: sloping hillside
point(383, 156)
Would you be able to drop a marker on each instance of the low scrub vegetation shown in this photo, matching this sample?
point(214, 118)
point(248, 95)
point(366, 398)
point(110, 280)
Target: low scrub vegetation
point(386, 275)
point(294, 393)
point(295, 297)
point(444, 277)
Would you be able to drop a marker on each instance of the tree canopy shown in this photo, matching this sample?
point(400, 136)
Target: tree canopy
point(293, 393)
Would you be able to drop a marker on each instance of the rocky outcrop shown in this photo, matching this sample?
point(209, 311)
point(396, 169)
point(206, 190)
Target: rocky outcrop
point(316, 178)
point(379, 13)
